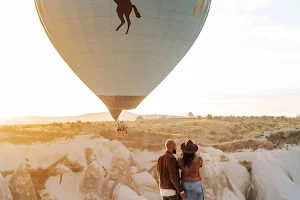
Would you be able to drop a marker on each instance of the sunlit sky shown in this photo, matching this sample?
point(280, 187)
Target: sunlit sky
point(246, 61)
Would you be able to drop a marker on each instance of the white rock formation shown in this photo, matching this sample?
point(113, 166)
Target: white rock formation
point(271, 179)
point(21, 185)
point(5, 193)
point(10, 156)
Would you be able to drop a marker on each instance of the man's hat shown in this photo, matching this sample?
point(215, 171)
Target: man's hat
point(189, 147)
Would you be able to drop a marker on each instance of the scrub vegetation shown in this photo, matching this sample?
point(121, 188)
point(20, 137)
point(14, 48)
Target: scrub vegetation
point(229, 133)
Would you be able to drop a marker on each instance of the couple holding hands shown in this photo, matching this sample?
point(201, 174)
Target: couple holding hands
point(188, 186)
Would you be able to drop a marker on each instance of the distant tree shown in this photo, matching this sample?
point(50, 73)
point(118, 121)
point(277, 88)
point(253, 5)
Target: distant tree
point(191, 115)
point(199, 117)
point(139, 118)
point(298, 116)
point(209, 116)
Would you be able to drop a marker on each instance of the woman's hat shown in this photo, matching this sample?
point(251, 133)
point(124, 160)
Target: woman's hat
point(189, 147)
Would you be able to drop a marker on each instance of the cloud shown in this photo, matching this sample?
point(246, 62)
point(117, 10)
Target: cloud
point(245, 5)
point(274, 33)
point(256, 4)
point(239, 52)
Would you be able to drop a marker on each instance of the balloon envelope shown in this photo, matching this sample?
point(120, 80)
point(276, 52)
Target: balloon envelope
point(122, 49)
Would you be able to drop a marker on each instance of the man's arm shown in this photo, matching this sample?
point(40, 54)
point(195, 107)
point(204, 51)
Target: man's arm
point(173, 171)
point(157, 170)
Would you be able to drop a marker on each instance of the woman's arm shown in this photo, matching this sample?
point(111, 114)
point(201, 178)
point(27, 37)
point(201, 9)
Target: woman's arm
point(180, 164)
point(200, 161)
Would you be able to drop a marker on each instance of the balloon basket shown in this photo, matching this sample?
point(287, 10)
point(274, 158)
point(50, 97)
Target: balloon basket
point(122, 134)
point(122, 131)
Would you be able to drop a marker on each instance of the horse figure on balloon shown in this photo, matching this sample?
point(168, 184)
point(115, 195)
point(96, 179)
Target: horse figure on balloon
point(125, 8)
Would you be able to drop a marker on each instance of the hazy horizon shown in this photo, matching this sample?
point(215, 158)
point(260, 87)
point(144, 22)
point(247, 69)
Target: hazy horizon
point(175, 114)
point(245, 62)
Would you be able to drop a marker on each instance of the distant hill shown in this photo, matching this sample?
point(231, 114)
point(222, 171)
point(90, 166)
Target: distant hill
point(92, 117)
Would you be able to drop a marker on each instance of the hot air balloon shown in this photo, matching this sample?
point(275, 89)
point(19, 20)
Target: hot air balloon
point(122, 49)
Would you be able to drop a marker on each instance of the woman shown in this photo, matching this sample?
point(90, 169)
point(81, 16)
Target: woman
point(190, 164)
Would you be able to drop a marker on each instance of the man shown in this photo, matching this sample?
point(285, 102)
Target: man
point(168, 174)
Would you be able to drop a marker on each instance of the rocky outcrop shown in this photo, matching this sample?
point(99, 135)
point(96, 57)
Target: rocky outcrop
point(5, 193)
point(215, 175)
point(272, 177)
point(93, 182)
point(21, 185)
